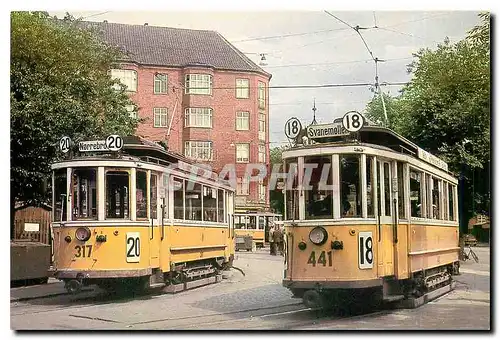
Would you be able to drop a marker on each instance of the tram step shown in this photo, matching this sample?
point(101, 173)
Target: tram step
point(157, 285)
point(392, 298)
point(417, 302)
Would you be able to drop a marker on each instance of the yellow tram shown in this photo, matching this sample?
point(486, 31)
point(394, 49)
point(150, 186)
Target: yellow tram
point(255, 224)
point(368, 215)
point(128, 213)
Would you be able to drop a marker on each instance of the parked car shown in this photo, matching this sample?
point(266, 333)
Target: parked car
point(470, 240)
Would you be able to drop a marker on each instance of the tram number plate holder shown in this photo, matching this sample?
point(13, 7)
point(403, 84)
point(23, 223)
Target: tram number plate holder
point(365, 250)
point(133, 247)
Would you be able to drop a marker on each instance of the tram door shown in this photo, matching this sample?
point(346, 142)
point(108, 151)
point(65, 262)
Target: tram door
point(385, 253)
point(154, 222)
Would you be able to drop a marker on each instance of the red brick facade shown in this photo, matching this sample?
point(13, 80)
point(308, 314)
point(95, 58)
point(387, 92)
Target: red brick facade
point(224, 105)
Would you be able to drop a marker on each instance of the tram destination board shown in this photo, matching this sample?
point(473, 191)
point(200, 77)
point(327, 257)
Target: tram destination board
point(326, 130)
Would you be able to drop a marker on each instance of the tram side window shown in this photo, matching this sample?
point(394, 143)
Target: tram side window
point(141, 194)
point(350, 186)
point(318, 187)
point(178, 198)
point(370, 190)
point(220, 206)
point(209, 204)
point(60, 195)
point(292, 193)
point(415, 193)
point(436, 207)
point(193, 201)
point(84, 194)
point(401, 192)
point(117, 194)
point(262, 223)
point(451, 202)
point(153, 195)
point(428, 192)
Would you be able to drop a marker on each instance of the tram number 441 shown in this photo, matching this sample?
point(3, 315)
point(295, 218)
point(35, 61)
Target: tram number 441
point(322, 258)
point(133, 246)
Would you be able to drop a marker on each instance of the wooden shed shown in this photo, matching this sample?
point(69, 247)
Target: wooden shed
point(32, 223)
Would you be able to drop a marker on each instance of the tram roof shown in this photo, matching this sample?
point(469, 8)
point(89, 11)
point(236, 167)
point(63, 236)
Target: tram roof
point(142, 149)
point(373, 134)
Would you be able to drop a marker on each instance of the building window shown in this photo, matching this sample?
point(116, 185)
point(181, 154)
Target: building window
point(198, 150)
point(262, 126)
point(262, 153)
point(242, 88)
point(126, 77)
point(160, 85)
point(131, 111)
point(198, 117)
point(198, 84)
point(242, 120)
point(242, 153)
point(262, 192)
point(262, 95)
point(242, 186)
point(160, 117)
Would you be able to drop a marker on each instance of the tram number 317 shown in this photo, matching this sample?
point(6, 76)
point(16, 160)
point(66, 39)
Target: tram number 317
point(365, 245)
point(133, 247)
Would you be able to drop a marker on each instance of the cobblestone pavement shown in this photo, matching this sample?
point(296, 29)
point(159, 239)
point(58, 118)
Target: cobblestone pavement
point(254, 301)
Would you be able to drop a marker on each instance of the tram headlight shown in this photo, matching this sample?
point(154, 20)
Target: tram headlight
point(82, 234)
point(318, 235)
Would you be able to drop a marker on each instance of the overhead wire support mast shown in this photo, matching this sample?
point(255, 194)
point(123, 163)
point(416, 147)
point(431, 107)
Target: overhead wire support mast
point(376, 60)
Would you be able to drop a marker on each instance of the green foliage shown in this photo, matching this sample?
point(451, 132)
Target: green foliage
point(59, 85)
point(393, 106)
point(276, 197)
point(446, 109)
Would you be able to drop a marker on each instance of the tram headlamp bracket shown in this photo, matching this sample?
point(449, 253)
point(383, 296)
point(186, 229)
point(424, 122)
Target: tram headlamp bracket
point(67, 239)
point(337, 245)
point(100, 238)
point(318, 236)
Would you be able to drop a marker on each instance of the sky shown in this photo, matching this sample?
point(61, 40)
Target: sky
point(314, 48)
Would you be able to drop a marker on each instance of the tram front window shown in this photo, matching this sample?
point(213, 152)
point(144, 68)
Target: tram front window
point(318, 187)
point(84, 201)
point(117, 194)
point(292, 193)
point(350, 188)
point(60, 195)
point(252, 224)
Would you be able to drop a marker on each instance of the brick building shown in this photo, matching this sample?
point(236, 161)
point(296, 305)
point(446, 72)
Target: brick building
point(200, 95)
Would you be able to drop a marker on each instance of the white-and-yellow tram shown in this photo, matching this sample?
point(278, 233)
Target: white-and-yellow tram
point(130, 217)
point(368, 213)
point(255, 224)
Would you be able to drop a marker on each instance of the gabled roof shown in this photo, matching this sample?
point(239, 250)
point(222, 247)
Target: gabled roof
point(166, 46)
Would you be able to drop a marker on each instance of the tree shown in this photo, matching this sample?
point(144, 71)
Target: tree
point(445, 109)
point(375, 111)
point(276, 197)
point(59, 86)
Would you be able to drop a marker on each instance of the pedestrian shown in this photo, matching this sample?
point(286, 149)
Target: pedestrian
point(277, 235)
point(282, 241)
point(271, 240)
